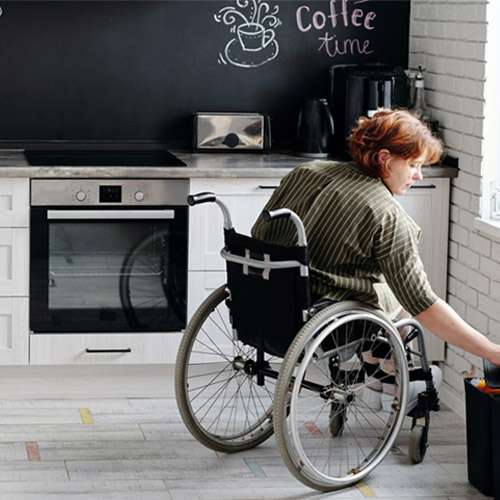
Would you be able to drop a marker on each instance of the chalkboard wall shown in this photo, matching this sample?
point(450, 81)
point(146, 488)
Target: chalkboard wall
point(138, 70)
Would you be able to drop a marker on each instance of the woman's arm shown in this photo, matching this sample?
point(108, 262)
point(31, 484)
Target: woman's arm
point(443, 321)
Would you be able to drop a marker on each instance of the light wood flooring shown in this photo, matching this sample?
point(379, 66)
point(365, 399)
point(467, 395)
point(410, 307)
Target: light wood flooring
point(138, 449)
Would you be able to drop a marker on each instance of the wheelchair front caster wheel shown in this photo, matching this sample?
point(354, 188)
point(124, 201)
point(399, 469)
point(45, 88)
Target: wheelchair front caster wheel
point(337, 419)
point(418, 443)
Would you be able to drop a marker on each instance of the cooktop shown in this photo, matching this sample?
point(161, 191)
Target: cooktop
point(102, 157)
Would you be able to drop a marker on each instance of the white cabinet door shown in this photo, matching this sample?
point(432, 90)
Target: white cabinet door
point(428, 205)
point(14, 261)
point(14, 330)
point(14, 271)
point(14, 203)
point(245, 199)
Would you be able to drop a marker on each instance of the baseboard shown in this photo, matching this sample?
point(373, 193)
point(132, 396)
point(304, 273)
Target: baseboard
point(89, 381)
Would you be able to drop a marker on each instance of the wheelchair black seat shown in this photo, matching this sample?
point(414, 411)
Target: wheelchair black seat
point(268, 305)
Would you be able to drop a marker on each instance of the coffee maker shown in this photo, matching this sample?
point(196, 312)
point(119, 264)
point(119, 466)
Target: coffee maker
point(359, 90)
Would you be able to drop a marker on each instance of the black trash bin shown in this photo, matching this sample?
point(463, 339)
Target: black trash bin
point(483, 440)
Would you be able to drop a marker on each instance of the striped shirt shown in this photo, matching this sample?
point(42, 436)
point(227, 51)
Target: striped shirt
point(362, 244)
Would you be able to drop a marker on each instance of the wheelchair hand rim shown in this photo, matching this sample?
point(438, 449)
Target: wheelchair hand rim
point(303, 459)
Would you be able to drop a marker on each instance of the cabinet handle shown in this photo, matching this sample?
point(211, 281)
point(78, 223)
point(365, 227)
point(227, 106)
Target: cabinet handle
point(107, 351)
point(424, 186)
point(268, 187)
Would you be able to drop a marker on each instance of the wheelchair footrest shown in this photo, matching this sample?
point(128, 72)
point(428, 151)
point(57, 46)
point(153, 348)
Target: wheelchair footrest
point(427, 401)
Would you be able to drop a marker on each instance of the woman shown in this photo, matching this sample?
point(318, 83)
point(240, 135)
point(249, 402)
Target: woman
point(363, 245)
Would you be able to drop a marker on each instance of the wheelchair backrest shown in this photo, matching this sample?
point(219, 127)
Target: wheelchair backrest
point(269, 291)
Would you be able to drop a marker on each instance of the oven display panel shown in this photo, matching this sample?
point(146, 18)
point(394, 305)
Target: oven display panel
point(110, 194)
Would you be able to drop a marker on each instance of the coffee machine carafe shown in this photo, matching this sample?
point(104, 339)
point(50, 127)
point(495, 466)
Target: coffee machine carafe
point(379, 94)
point(357, 90)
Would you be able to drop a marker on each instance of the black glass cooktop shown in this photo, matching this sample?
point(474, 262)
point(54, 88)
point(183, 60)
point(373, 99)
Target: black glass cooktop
point(125, 158)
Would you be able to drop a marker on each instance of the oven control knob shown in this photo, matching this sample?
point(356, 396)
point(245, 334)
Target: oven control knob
point(81, 196)
point(139, 196)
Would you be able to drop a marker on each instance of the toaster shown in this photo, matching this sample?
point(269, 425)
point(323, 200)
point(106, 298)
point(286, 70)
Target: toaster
point(232, 131)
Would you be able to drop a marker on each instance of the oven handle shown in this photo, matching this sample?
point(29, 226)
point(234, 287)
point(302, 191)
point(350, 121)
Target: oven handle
point(110, 214)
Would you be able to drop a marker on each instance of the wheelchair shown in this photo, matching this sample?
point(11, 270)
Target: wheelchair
point(259, 357)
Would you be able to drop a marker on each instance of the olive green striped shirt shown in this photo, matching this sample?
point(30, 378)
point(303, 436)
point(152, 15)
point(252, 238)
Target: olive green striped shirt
point(362, 244)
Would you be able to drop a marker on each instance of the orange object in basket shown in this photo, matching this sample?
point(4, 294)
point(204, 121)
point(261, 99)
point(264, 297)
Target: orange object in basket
point(483, 387)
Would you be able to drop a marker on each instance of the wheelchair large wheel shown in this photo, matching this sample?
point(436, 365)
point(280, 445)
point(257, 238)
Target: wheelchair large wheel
point(218, 394)
point(322, 375)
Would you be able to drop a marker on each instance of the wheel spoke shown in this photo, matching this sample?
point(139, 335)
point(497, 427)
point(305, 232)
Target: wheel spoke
point(216, 351)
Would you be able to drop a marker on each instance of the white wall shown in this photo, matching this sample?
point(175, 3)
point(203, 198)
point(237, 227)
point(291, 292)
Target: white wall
point(448, 38)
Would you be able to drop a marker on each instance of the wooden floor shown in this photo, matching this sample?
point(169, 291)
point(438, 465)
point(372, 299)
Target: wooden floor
point(138, 449)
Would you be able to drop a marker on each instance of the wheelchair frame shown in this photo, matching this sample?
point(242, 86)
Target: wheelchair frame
point(332, 393)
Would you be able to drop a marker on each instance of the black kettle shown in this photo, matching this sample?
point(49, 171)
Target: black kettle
point(315, 129)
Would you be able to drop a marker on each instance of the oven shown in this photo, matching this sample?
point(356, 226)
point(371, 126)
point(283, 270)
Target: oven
point(108, 255)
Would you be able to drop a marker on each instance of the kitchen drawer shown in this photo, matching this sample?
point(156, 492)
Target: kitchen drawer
point(14, 261)
point(14, 203)
point(70, 349)
point(245, 199)
point(14, 330)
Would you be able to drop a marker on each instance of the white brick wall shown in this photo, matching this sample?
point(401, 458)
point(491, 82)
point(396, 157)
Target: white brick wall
point(448, 38)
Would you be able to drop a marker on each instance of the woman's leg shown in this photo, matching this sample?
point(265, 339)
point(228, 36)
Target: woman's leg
point(388, 364)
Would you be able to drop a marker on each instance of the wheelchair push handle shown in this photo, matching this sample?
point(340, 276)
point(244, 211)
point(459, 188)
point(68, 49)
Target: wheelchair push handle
point(281, 213)
point(285, 213)
point(196, 199)
point(208, 197)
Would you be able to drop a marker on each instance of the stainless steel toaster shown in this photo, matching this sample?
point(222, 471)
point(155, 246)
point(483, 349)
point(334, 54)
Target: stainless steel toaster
point(232, 131)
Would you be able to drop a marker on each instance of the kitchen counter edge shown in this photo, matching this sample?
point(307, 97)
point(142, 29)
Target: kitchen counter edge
point(13, 164)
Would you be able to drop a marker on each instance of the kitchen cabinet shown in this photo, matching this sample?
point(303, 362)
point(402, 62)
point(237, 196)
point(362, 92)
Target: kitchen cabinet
point(14, 270)
point(14, 330)
point(14, 261)
point(14, 203)
point(428, 204)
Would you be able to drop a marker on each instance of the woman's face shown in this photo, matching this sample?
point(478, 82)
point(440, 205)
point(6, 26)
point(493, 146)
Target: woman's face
point(400, 173)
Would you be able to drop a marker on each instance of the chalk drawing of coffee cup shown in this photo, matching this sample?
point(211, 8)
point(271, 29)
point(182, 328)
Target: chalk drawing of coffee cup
point(252, 28)
point(254, 37)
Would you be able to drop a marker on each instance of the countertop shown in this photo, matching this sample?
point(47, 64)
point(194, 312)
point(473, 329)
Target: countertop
point(231, 165)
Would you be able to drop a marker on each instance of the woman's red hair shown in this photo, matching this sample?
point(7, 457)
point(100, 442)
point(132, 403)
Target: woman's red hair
point(400, 132)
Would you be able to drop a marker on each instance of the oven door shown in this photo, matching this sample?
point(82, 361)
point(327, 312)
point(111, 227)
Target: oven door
point(108, 269)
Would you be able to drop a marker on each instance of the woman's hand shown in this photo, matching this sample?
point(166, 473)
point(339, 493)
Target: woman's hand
point(444, 322)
